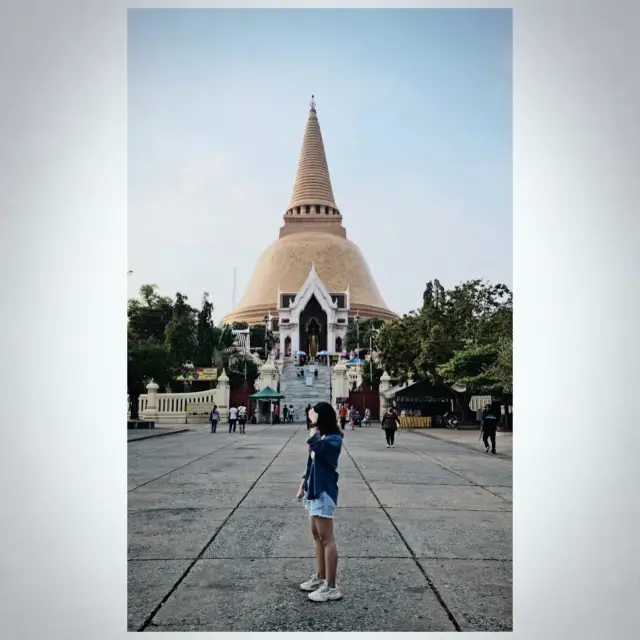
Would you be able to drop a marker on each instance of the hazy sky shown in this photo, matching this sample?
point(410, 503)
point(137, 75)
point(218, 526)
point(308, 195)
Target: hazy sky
point(415, 108)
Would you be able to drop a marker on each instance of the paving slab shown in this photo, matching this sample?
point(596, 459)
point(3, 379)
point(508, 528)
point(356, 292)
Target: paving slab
point(198, 495)
point(468, 498)
point(476, 535)
point(166, 534)
point(263, 595)
point(479, 593)
point(281, 494)
point(506, 493)
point(284, 533)
point(451, 504)
point(148, 582)
point(427, 475)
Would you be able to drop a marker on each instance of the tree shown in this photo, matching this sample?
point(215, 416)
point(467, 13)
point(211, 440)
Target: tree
point(180, 333)
point(149, 316)
point(205, 334)
point(454, 339)
point(363, 333)
point(373, 381)
point(146, 360)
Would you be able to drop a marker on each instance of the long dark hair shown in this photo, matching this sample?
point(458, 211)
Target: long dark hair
point(327, 419)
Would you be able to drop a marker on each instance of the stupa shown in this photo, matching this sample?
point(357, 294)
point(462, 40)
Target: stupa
point(312, 279)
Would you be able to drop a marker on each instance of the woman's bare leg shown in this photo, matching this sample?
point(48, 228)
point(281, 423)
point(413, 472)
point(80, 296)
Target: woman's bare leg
point(324, 527)
point(320, 562)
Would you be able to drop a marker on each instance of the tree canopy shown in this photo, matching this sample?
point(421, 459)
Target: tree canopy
point(163, 334)
point(364, 333)
point(460, 336)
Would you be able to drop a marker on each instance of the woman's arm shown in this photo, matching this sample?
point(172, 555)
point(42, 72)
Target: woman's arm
point(320, 447)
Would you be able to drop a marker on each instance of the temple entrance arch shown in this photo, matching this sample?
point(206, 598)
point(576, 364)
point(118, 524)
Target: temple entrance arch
point(287, 346)
point(313, 328)
point(338, 344)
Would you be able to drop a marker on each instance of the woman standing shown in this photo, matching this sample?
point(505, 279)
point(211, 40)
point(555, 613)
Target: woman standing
point(319, 494)
point(390, 423)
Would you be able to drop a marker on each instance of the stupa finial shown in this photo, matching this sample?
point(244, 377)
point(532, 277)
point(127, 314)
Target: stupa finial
point(312, 104)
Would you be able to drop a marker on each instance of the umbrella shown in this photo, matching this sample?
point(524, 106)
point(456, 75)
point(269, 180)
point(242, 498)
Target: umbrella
point(299, 353)
point(355, 361)
point(324, 352)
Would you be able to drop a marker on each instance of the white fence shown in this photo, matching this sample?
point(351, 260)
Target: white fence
point(172, 407)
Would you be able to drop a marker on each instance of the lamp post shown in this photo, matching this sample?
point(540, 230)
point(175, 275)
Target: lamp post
point(266, 330)
point(357, 321)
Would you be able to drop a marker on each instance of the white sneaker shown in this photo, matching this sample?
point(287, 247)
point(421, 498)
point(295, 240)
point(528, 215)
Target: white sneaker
point(312, 583)
point(393, 445)
point(388, 446)
point(324, 593)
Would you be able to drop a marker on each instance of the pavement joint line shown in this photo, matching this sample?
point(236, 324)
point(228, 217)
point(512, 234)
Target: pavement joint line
point(196, 459)
point(153, 614)
point(414, 557)
point(157, 435)
point(498, 456)
point(473, 482)
point(434, 558)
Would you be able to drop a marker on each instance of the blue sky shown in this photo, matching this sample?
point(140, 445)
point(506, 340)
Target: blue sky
point(415, 108)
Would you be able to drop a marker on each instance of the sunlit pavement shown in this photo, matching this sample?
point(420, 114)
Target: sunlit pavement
point(217, 541)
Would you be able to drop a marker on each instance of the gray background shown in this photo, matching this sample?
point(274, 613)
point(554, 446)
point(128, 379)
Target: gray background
point(63, 266)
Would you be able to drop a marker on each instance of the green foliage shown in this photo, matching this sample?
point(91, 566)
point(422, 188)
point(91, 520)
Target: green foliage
point(147, 360)
point(458, 336)
point(365, 330)
point(239, 367)
point(180, 333)
point(257, 336)
point(149, 316)
point(366, 373)
point(205, 334)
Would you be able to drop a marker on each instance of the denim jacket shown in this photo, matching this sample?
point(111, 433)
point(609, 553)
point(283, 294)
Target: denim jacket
point(322, 469)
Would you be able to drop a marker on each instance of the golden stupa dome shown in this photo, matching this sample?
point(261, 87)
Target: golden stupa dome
point(312, 235)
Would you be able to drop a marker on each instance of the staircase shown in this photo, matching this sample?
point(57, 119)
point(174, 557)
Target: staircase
point(297, 393)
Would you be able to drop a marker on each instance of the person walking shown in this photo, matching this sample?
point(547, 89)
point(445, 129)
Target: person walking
point(291, 414)
point(214, 418)
point(233, 418)
point(367, 417)
point(488, 428)
point(318, 492)
point(342, 414)
point(390, 424)
point(285, 414)
point(242, 417)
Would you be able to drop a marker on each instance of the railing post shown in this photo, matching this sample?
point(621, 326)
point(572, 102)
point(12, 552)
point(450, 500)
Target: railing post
point(222, 396)
point(385, 385)
point(151, 411)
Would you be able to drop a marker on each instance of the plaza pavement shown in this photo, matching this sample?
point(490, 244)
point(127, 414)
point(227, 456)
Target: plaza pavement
point(217, 541)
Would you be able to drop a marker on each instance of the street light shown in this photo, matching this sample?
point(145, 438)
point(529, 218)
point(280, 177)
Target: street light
point(266, 331)
point(357, 321)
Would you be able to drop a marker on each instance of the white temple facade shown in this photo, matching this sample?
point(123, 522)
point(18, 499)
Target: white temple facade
point(312, 319)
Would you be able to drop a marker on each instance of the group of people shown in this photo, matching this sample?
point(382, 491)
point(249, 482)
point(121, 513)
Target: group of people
point(237, 417)
point(288, 414)
point(353, 417)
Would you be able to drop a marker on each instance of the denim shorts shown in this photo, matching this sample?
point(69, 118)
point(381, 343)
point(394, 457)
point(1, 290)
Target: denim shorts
point(323, 506)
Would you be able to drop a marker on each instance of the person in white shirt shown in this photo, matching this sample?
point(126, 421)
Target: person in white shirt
point(233, 418)
point(242, 417)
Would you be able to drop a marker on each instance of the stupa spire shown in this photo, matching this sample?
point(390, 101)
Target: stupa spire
point(313, 184)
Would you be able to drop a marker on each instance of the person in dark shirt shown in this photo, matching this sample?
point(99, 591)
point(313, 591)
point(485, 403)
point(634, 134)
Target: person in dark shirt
point(488, 428)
